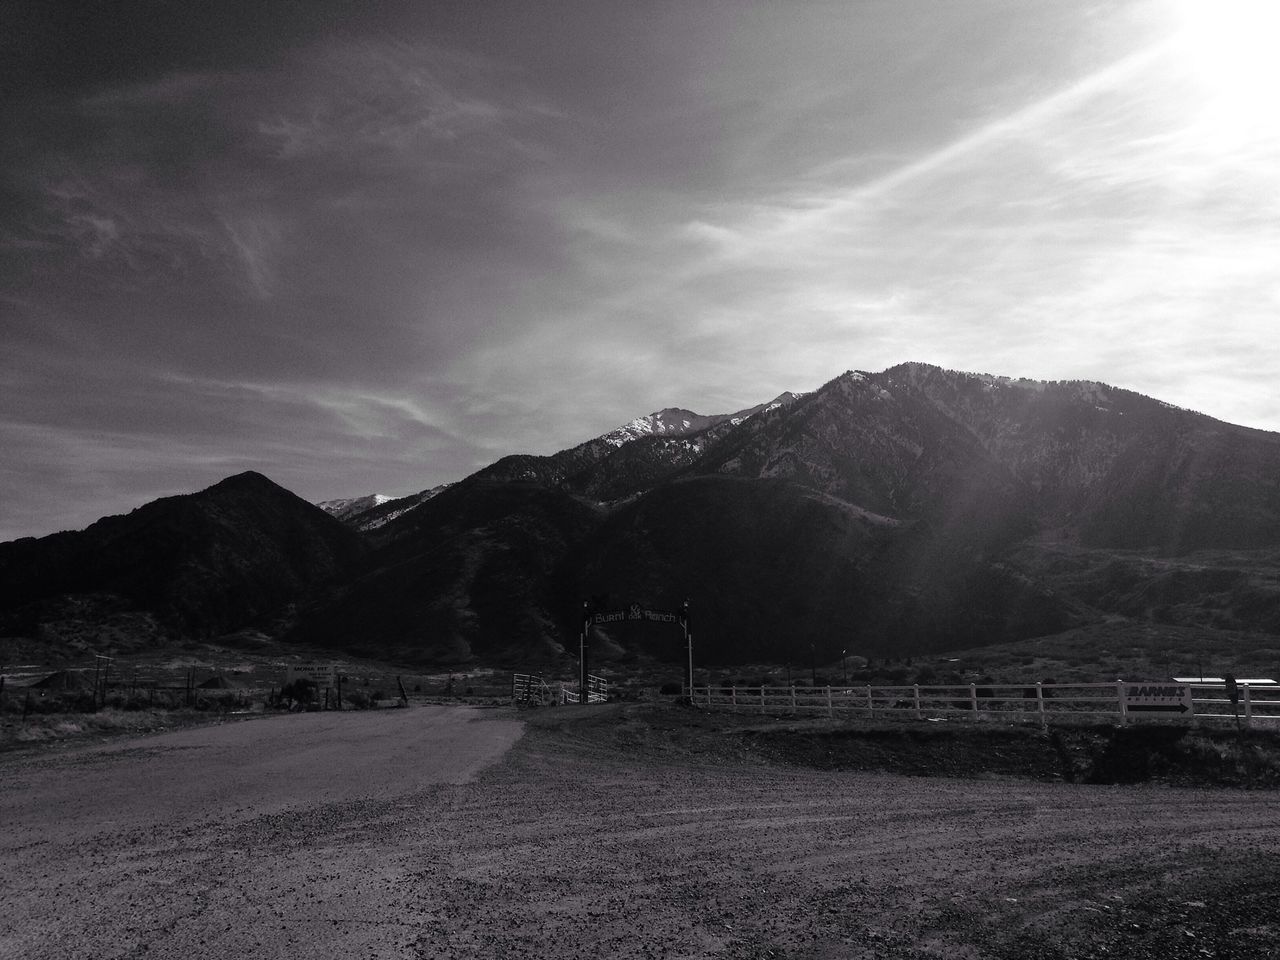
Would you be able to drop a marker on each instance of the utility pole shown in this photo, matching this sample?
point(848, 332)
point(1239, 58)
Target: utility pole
point(103, 664)
point(583, 695)
point(688, 642)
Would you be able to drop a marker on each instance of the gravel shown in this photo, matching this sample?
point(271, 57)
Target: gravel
point(620, 830)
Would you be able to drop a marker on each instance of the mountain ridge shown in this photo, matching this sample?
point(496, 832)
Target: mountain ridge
point(907, 510)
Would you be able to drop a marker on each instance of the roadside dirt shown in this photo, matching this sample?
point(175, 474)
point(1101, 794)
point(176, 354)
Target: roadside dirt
point(619, 830)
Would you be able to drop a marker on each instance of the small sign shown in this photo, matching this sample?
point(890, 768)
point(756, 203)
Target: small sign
point(321, 674)
point(1157, 697)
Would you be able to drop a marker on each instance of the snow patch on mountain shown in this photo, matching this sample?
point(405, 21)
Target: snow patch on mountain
point(345, 507)
point(676, 421)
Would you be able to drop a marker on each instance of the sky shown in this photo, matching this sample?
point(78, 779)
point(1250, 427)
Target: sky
point(373, 246)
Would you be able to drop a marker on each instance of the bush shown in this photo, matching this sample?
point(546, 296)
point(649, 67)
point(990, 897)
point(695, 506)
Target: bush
point(302, 692)
point(357, 700)
point(671, 689)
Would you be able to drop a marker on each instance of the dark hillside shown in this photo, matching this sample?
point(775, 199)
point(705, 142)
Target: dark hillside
point(479, 571)
point(773, 568)
point(883, 448)
point(767, 566)
point(204, 563)
point(1112, 468)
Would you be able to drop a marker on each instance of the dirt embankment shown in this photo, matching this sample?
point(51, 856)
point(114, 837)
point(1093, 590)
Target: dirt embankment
point(1173, 755)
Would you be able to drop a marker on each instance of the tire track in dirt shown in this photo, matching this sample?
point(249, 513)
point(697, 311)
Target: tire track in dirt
point(595, 837)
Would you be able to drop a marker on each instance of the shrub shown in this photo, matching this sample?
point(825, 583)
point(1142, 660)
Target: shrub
point(301, 692)
point(356, 699)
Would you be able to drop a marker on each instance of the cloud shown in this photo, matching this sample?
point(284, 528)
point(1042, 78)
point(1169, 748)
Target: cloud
point(1091, 215)
point(427, 243)
point(395, 101)
point(255, 240)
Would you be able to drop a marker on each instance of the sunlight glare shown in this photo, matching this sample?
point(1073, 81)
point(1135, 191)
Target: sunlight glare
point(1233, 49)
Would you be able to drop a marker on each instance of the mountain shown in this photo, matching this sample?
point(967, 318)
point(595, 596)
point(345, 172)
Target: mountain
point(483, 570)
point(894, 512)
point(348, 507)
point(1112, 468)
point(371, 512)
point(911, 510)
point(194, 565)
point(629, 459)
point(677, 422)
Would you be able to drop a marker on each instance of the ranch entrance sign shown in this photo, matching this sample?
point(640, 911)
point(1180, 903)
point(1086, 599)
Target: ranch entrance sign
point(636, 612)
point(633, 613)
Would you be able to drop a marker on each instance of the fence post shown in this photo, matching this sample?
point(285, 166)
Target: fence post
point(793, 698)
point(973, 697)
point(831, 711)
point(1248, 706)
point(733, 699)
point(708, 689)
point(1124, 714)
point(762, 699)
point(915, 692)
point(1044, 721)
point(871, 706)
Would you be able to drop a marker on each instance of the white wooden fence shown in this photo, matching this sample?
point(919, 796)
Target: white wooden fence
point(1036, 702)
point(531, 688)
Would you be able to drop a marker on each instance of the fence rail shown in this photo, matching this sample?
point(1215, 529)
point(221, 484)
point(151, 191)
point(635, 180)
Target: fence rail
point(531, 688)
point(1038, 702)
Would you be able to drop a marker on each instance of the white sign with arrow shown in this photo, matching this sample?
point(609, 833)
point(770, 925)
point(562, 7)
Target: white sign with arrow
point(1157, 697)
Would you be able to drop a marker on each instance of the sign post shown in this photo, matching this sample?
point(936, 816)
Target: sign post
point(688, 642)
point(583, 696)
point(1233, 694)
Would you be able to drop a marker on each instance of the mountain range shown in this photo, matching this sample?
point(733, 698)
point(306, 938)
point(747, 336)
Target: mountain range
point(911, 510)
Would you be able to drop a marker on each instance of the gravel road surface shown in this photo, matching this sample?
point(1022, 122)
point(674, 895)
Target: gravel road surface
point(442, 832)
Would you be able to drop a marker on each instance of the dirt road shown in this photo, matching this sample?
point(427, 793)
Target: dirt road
point(380, 835)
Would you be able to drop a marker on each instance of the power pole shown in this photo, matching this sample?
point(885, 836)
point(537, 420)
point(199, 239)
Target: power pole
point(101, 670)
point(583, 695)
point(688, 642)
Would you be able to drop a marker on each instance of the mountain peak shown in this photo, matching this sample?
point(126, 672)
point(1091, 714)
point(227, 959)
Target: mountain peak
point(346, 507)
point(669, 421)
point(248, 480)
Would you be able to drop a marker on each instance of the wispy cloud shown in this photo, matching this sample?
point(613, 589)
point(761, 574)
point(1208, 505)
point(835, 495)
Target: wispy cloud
point(255, 240)
point(428, 247)
point(383, 97)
